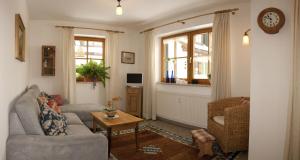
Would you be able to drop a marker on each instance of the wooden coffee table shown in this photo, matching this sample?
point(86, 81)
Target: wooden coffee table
point(125, 121)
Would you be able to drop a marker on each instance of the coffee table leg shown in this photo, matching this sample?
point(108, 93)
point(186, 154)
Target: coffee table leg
point(109, 140)
point(94, 125)
point(136, 136)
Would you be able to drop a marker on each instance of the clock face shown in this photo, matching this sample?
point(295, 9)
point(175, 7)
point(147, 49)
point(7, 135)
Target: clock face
point(271, 20)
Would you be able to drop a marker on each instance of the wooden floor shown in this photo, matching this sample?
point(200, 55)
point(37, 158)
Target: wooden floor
point(123, 148)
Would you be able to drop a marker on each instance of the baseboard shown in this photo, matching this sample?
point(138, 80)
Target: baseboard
point(177, 123)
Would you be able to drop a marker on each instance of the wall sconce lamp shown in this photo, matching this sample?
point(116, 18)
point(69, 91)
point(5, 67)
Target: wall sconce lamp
point(246, 39)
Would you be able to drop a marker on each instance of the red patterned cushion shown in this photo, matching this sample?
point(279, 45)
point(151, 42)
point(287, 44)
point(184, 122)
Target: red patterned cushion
point(51, 101)
point(202, 135)
point(52, 104)
point(59, 100)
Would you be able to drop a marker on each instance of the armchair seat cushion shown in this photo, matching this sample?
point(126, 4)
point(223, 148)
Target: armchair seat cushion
point(219, 120)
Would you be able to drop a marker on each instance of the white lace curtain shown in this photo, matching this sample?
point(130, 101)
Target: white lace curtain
point(69, 71)
point(111, 60)
point(292, 151)
point(221, 81)
point(149, 106)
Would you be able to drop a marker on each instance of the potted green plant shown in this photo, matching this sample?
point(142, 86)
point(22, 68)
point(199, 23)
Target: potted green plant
point(94, 72)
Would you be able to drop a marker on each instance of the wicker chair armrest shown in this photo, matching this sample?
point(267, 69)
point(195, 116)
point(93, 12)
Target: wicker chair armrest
point(216, 108)
point(236, 119)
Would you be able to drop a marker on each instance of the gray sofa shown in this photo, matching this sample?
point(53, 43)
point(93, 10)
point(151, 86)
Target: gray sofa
point(27, 140)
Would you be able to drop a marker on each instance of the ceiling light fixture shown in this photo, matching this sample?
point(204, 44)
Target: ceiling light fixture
point(119, 9)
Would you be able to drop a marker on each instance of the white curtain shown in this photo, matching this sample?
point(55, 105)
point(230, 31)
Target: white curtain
point(111, 60)
point(292, 151)
point(149, 106)
point(69, 71)
point(221, 83)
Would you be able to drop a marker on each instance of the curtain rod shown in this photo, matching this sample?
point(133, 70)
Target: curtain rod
point(182, 21)
point(97, 29)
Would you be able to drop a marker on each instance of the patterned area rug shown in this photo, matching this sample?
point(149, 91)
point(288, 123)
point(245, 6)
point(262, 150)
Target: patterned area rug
point(154, 149)
point(152, 146)
point(151, 149)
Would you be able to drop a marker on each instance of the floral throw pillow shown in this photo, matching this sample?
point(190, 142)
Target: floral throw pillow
point(51, 102)
point(58, 99)
point(53, 123)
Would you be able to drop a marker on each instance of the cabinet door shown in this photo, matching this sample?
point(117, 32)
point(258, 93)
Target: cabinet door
point(132, 105)
point(134, 101)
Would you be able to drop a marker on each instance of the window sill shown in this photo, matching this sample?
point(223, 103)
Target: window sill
point(87, 82)
point(178, 84)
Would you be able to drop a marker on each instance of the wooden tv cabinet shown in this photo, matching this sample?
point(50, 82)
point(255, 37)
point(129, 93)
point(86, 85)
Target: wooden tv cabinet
point(134, 100)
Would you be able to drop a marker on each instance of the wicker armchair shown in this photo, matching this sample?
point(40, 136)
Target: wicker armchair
point(233, 134)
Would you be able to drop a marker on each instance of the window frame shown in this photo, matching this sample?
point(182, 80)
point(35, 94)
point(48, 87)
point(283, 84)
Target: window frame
point(190, 57)
point(93, 39)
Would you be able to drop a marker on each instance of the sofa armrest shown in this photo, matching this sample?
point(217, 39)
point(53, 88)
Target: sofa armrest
point(73, 147)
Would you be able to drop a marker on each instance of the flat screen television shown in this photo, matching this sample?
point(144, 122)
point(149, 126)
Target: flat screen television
point(135, 79)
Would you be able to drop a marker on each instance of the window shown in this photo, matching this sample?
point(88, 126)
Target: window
point(87, 49)
point(187, 56)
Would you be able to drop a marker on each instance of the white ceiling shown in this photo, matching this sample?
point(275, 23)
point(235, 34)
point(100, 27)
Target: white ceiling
point(103, 11)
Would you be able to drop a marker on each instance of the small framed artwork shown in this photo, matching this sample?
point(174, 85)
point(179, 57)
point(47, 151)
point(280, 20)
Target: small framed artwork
point(128, 57)
point(19, 38)
point(48, 60)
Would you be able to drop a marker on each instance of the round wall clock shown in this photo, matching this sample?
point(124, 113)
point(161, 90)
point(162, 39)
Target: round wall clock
point(271, 20)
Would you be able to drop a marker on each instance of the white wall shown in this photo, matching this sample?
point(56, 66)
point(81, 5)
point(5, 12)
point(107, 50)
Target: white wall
point(240, 67)
point(14, 73)
point(45, 33)
point(271, 59)
point(85, 93)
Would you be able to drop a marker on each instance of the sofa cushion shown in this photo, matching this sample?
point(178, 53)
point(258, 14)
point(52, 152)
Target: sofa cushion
point(219, 120)
point(72, 118)
point(15, 125)
point(83, 111)
point(53, 123)
point(27, 109)
point(78, 130)
point(35, 90)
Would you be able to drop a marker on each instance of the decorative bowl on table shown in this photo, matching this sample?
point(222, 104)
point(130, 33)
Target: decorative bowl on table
point(110, 113)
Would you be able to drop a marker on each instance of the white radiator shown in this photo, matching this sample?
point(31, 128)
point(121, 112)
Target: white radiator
point(184, 108)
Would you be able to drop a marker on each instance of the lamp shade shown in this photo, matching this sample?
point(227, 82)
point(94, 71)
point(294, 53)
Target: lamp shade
point(246, 40)
point(119, 10)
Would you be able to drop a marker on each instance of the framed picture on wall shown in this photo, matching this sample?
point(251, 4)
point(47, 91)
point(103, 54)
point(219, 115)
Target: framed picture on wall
point(48, 60)
point(19, 38)
point(128, 57)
